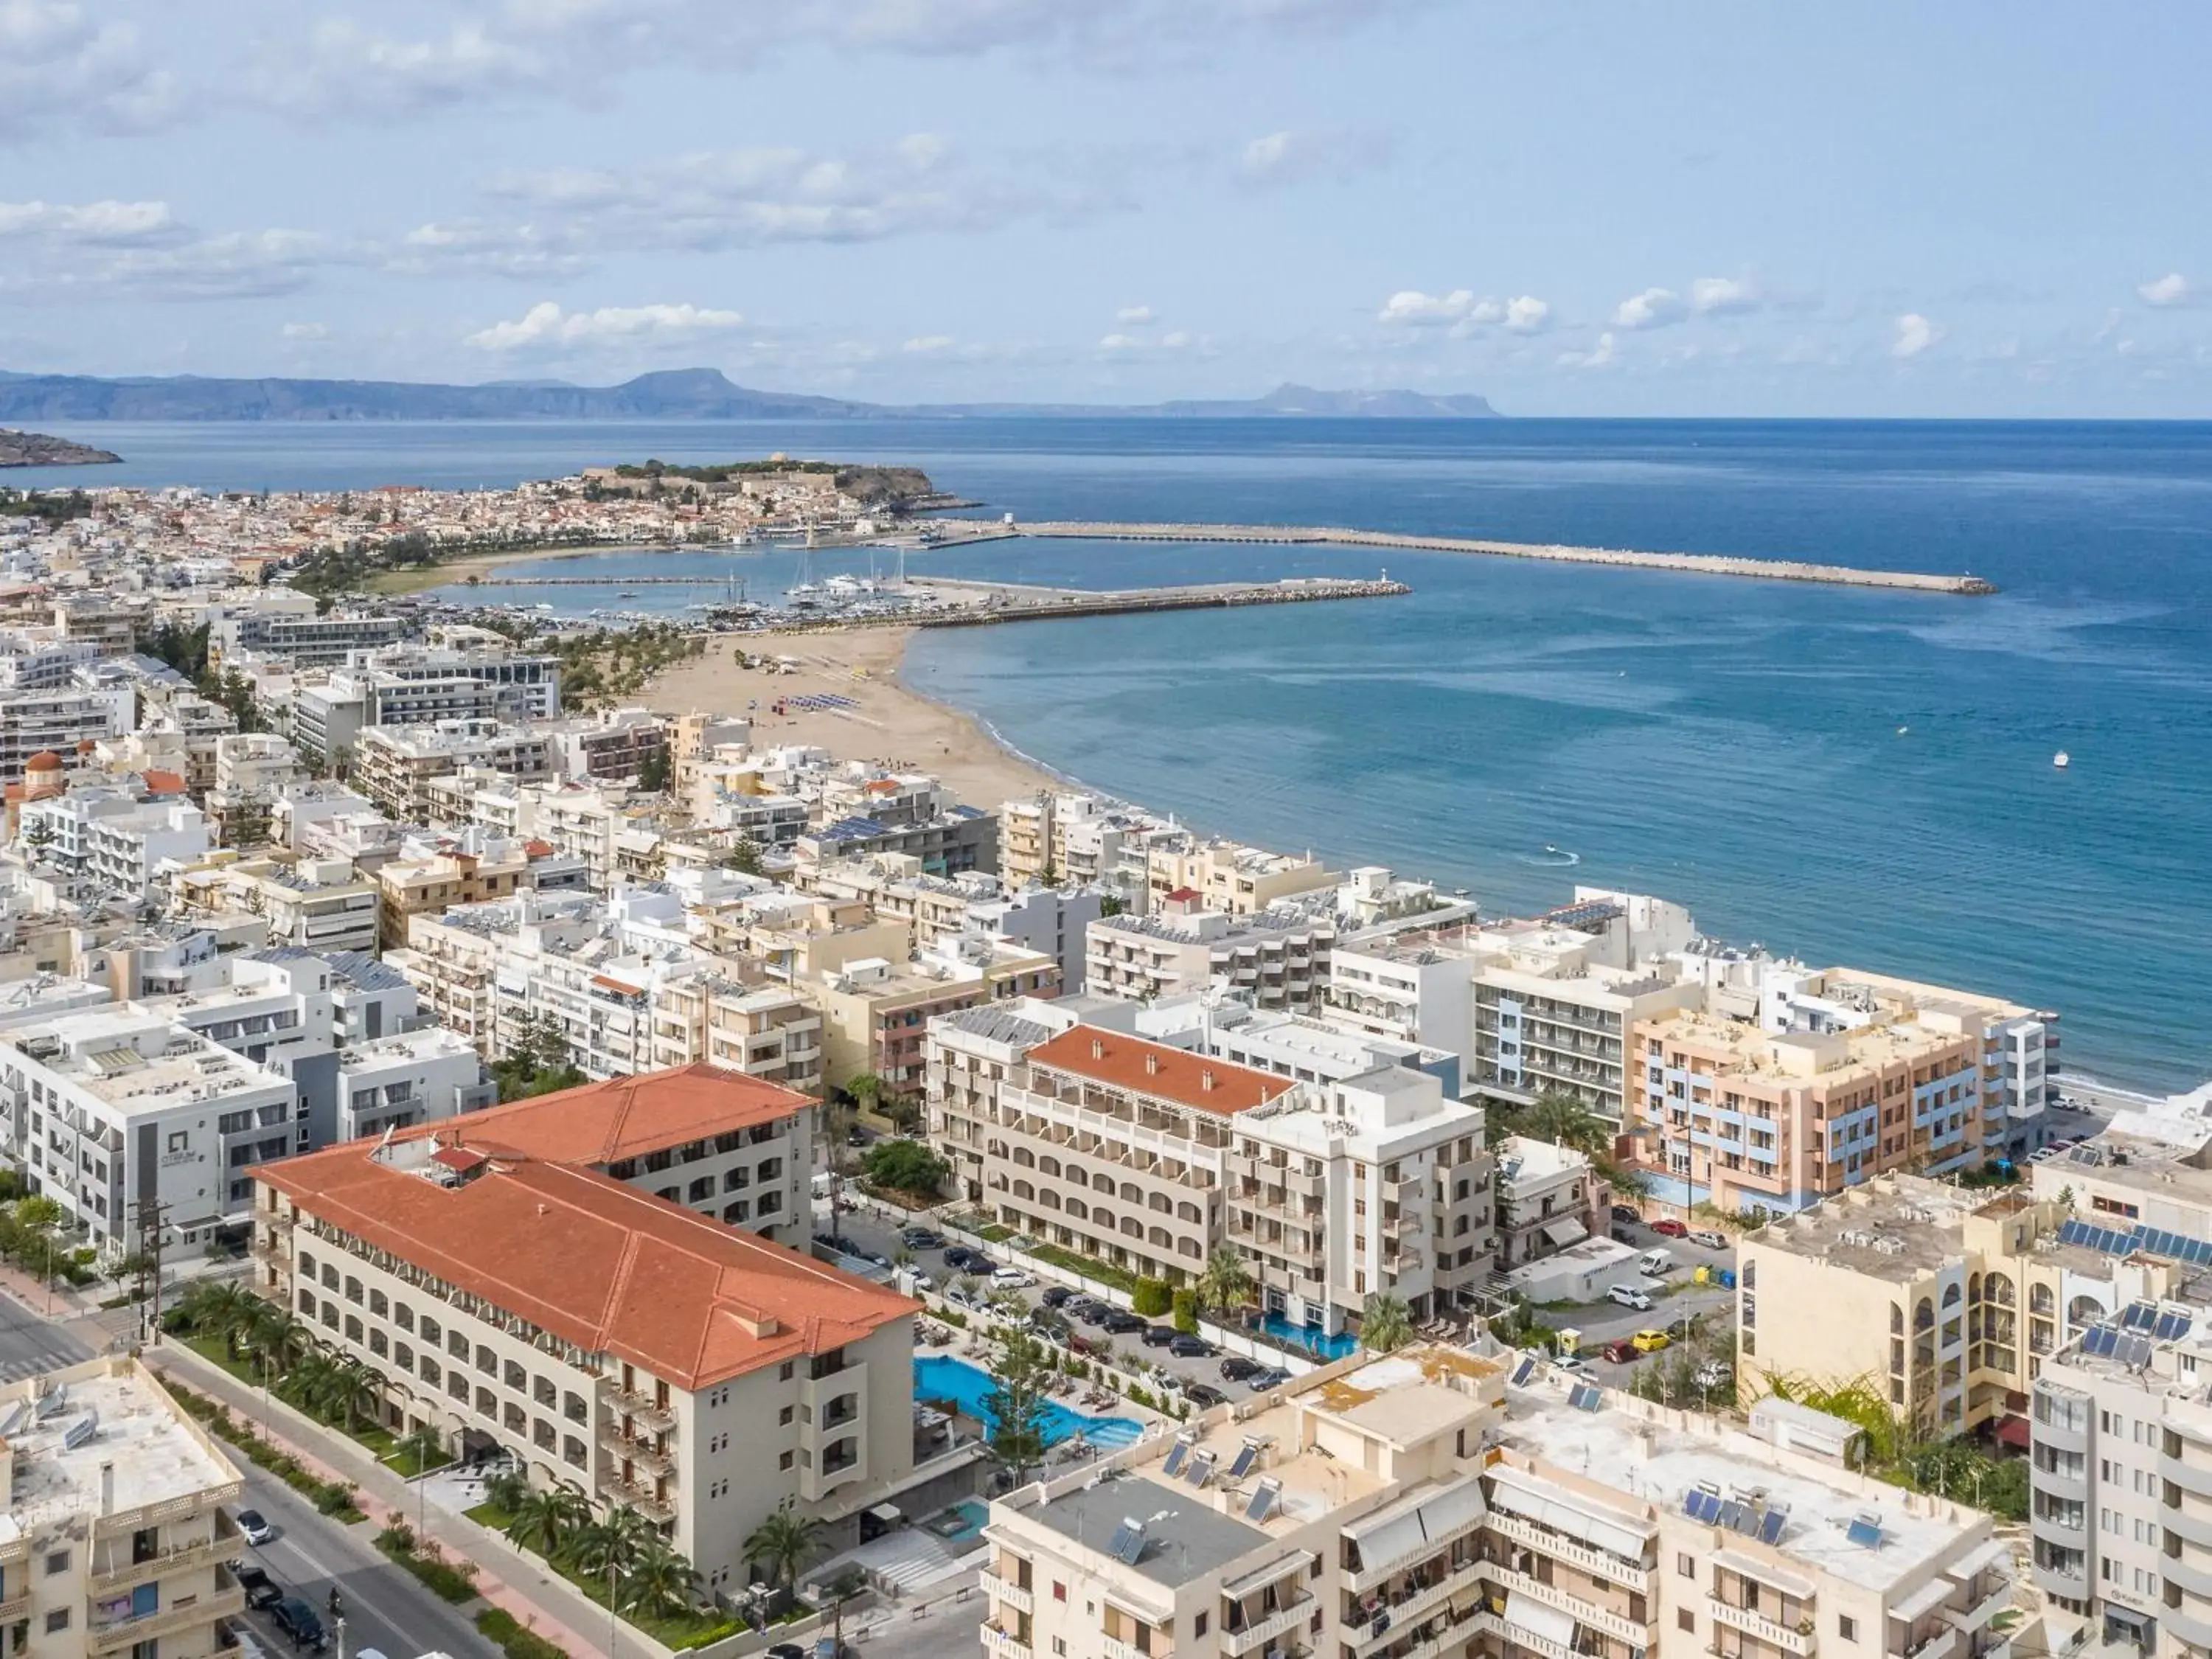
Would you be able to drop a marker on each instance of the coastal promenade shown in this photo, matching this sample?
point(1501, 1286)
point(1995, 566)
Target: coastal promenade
point(953, 533)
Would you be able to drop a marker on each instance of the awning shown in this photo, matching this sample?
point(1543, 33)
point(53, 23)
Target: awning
point(1533, 1616)
point(890, 1514)
point(1752, 1566)
point(1412, 1526)
point(1537, 1499)
point(1923, 1601)
point(1565, 1233)
point(1995, 1553)
point(2014, 1431)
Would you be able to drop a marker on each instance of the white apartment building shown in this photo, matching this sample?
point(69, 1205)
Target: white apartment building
point(1447, 1503)
point(55, 718)
point(409, 1077)
point(116, 841)
point(117, 1537)
point(967, 1056)
point(114, 1111)
point(392, 765)
point(1410, 987)
point(1552, 1200)
point(305, 642)
point(1276, 959)
point(649, 1356)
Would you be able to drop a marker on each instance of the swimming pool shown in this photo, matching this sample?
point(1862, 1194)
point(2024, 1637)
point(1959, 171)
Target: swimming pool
point(936, 1378)
point(1310, 1337)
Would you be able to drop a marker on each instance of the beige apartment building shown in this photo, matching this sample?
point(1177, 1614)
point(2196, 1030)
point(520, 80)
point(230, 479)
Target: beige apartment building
point(876, 1014)
point(394, 765)
point(655, 1358)
point(407, 888)
point(1946, 1302)
point(764, 1030)
point(1430, 1505)
point(114, 1538)
point(1233, 879)
point(1736, 1117)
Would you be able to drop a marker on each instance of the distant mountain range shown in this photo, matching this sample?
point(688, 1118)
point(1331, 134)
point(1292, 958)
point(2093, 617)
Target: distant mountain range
point(682, 394)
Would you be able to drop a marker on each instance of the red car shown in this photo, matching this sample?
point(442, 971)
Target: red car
point(1622, 1352)
point(1671, 1229)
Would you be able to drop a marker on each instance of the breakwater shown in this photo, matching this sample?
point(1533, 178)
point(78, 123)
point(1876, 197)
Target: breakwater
point(951, 532)
point(983, 603)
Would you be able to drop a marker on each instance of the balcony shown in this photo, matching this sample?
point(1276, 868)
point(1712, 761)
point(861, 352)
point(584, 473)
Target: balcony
point(998, 1643)
point(1292, 1616)
point(642, 1498)
point(1944, 1644)
point(1421, 1606)
point(1596, 1563)
point(1585, 1612)
point(204, 1553)
point(1983, 1610)
point(14, 1608)
point(638, 1404)
point(636, 1451)
point(1766, 1630)
point(126, 1633)
point(1007, 1593)
point(1491, 1624)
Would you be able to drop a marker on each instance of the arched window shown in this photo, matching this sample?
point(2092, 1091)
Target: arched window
point(1997, 1291)
point(2085, 1310)
point(1923, 1317)
point(1950, 1296)
point(1974, 1288)
point(1750, 1275)
point(1896, 1319)
point(2040, 1300)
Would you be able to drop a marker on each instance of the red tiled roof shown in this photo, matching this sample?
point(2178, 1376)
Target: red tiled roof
point(623, 1117)
point(1152, 1069)
point(603, 1266)
point(159, 782)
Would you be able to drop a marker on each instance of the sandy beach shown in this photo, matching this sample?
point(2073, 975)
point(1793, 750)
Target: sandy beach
point(889, 722)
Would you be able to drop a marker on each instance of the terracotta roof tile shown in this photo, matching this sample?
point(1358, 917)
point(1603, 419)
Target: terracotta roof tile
point(605, 1267)
point(1152, 1069)
point(623, 1117)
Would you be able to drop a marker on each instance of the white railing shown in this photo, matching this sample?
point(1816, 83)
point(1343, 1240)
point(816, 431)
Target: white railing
point(1585, 1611)
point(1766, 1630)
point(1261, 1631)
point(1004, 1646)
point(1008, 1593)
point(1596, 1562)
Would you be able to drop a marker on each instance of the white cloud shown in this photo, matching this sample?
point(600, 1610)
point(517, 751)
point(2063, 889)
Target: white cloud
point(90, 224)
point(2170, 290)
point(1600, 355)
point(1915, 334)
point(1723, 296)
point(545, 324)
point(930, 345)
point(58, 67)
point(1119, 343)
point(1177, 340)
point(1653, 308)
point(238, 264)
point(1135, 316)
point(1288, 158)
point(306, 331)
point(1411, 309)
point(1528, 315)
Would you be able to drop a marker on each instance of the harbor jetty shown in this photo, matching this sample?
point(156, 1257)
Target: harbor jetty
point(951, 531)
point(980, 604)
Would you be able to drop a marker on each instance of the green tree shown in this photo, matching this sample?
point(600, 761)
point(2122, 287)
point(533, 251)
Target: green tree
point(608, 1546)
point(1385, 1323)
point(221, 1307)
point(1021, 1373)
point(417, 1448)
point(653, 772)
point(546, 1519)
point(867, 1090)
point(1226, 1282)
point(907, 1166)
point(660, 1581)
point(744, 857)
point(1562, 1118)
point(783, 1543)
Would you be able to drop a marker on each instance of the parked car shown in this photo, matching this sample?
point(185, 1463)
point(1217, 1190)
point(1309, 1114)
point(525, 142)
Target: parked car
point(1670, 1228)
point(1160, 1336)
point(1626, 1213)
point(1270, 1376)
point(1682, 1329)
point(1190, 1347)
point(1236, 1368)
point(301, 1625)
point(1621, 1352)
point(1091, 1313)
point(787, 1650)
point(1649, 1341)
point(1205, 1394)
point(1057, 1296)
point(1082, 1343)
point(1570, 1364)
point(1713, 1374)
point(1712, 1239)
point(921, 1281)
point(261, 1590)
point(253, 1526)
point(915, 1238)
point(1121, 1322)
point(1656, 1264)
point(1012, 1278)
point(958, 1296)
point(962, 1260)
point(1629, 1297)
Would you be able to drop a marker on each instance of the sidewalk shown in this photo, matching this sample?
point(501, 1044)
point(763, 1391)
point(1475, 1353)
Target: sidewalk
point(539, 1598)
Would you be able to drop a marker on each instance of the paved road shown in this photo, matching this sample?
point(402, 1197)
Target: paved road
point(386, 1608)
point(28, 1344)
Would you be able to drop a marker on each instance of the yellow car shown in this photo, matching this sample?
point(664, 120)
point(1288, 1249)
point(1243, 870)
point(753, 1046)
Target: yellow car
point(1650, 1341)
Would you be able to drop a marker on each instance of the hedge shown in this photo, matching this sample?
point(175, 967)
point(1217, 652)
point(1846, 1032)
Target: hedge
point(1151, 1297)
point(498, 1626)
point(1185, 1304)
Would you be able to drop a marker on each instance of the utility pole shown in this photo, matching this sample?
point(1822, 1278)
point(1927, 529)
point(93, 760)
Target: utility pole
point(153, 1219)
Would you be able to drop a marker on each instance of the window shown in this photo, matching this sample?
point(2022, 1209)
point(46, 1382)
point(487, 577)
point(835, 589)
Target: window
point(784, 1461)
point(1199, 1628)
point(784, 1416)
point(1847, 1627)
point(1059, 1591)
point(58, 1561)
point(1684, 1619)
point(57, 1619)
point(1686, 1567)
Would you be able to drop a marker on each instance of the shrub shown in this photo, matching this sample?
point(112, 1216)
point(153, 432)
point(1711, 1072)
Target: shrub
point(907, 1166)
point(1185, 1304)
point(1151, 1297)
point(334, 1498)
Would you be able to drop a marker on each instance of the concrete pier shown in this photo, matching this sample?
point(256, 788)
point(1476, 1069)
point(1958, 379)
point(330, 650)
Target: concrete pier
point(980, 604)
point(953, 532)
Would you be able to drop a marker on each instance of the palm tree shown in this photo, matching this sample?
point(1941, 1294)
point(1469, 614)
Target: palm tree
point(605, 1547)
point(419, 1446)
point(546, 1519)
point(1226, 1282)
point(1385, 1323)
point(783, 1543)
point(505, 1491)
point(276, 1338)
point(660, 1581)
point(225, 1309)
point(312, 1382)
point(360, 1387)
point(1562, 1118)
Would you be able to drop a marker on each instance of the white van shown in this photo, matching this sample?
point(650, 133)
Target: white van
point(1655, 1264)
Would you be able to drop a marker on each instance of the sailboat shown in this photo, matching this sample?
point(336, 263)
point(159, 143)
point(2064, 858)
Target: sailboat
point(2062, 760)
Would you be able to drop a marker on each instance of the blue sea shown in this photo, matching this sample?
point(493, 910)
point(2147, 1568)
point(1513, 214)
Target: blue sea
point(1851, 775)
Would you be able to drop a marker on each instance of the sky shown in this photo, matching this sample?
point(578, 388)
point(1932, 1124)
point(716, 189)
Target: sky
point(1597, 208)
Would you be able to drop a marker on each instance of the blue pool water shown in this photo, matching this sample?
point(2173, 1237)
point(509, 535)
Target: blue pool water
point(1313, 1341)
point(936, 1378)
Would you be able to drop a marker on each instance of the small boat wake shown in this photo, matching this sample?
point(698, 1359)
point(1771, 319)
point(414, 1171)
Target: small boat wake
point(1552, 858)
